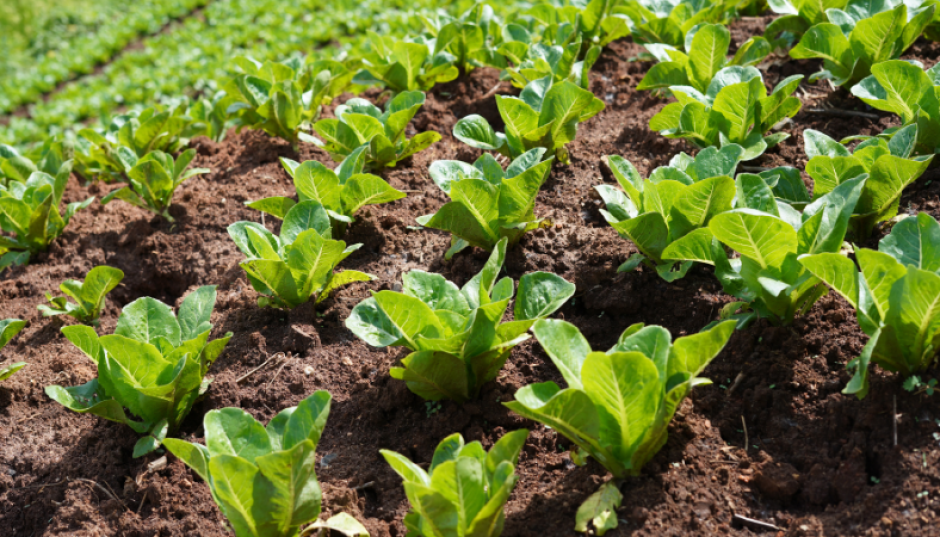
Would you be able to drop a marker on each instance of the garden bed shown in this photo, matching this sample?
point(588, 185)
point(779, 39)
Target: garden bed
point(772, 439)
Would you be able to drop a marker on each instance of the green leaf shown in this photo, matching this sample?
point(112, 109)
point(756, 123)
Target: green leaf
point(762, 237)
point(9, 370)
point(600, 509)
point(434, 375)
point(195, 312)
point(293, 497)
point(233, 485)
point(342, 523)
point(707, 54)
point(914, 241)
point(625, 389)
point(366, 189)
point(826, 41)
point(147, 319)
point(540, 295)
point(476, 132)
point(233, 432)
point(306, 215)
point(9, 328)
point(193, 455)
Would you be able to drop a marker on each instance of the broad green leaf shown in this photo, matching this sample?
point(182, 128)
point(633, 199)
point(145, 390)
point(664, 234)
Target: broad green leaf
point(914, 241)
point(762, 237)
point(232, 431)
point(147, 319)
point(626, 391)
point(9, 328)
point(707, 54)
point(540, 295)
point(195, 312)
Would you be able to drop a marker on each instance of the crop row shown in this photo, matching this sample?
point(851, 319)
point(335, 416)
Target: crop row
point(773, 246)
point(24, 80)
point(187, 60)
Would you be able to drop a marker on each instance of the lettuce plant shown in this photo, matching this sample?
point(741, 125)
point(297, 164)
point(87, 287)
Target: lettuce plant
point(705, 56)
point(464, 490)
point(89, 295)
point(674, 201)
point(358, 122)
point(9, 328)
point(29, 212)
point(908, 91)
point(593, 23)
point(49, 158)
point(797, 16)
point(455, 335)
point(735, 109)
point(406, 66)
point(544, 115)
point(281, 98)
point(668, 22)
point(154, 179)
point(535, 60)
point(618, 404)
point(110, 154)
point(886, 164)
point(341, 192)
point(291, 268)
point(210, 116)
point(770, 237)
point(471, 38)
point(487, 203)
point(895, 291)
point(860, 39)
point(154, 365)
point(262, 478)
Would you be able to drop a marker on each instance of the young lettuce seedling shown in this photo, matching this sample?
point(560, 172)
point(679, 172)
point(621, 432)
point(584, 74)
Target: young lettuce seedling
point(797, 16)
point(154, 365)
point(668, 23)
point(405, 66)
point(290, 269)
point(886, 164)
point(262, 478)
point(89, 295)
point(341, 192)
point(770, 236)
point(706, 50)
point(487, 203)
point(471, 39)
point(455, 335)
point(618, 404)
point(535, 60)
point(734, 109)
point(544, 115)
point(860, 38)
point(594, 23)
point(360, 123)
point(109, 155)
point(465, 488)
point(30, 213)
point(895, 296)
point(154, 179)
point(910, 92)
point(675, 201)
point(281, 98)
point(9, 328)
point(47, 158)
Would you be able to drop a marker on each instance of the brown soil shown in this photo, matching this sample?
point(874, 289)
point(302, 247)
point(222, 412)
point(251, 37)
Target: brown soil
point(816, 462)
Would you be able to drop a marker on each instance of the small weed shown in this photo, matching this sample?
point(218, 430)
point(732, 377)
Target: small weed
point(432, 407)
